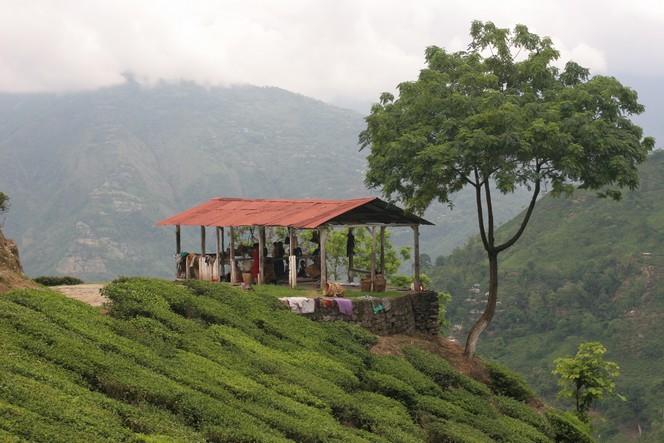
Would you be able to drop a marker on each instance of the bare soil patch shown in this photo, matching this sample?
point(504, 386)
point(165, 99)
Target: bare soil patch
point(451, 351)
point(89, 293)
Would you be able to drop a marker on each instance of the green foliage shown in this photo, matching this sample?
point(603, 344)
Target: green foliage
point(4, 202)
point(502, 113)
point(568, 428)
point(508, 383)
point(58, 281)
point(444, 374)
point(203, 361)
point(586, 377)
point(337, 260)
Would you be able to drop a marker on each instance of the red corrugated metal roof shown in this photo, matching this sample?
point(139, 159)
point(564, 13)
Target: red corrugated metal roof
point(307, 214)
point(258, 212)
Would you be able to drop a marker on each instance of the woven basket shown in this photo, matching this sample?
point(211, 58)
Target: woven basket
point(379, 284)
point(365, 284)
point(333, 289)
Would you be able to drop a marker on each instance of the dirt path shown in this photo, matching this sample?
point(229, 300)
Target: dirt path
point(87, 293)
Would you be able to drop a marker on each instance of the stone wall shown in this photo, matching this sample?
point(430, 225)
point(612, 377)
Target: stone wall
point(413, 312)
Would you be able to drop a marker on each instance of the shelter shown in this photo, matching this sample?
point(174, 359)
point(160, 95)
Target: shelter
point(232, 213)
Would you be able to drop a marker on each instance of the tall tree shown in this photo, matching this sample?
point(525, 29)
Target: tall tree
point(502, 115)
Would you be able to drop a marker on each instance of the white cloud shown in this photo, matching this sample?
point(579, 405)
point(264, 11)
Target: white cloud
point(325, 49)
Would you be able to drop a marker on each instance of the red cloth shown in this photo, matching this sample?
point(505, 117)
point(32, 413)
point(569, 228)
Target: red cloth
point(254, 270)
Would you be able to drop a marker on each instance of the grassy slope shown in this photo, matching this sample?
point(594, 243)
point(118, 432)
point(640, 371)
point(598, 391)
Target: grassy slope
point(207, 362)
point(579, 274)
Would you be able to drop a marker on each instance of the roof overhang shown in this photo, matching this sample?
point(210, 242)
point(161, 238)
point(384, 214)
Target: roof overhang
point(305, 214)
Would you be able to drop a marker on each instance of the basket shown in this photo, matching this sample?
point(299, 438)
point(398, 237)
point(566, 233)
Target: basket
point(333, 289)
point(379, 284)
point(365, 284)
point(247, 277)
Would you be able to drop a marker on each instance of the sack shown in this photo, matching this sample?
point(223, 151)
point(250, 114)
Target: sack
point(333, 289)
point(313, 271)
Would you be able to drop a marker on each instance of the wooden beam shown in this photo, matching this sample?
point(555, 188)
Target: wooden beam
point(178, 247)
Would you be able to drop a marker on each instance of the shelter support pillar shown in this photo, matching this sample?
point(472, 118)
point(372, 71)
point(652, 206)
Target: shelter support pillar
point(416, 256)
point(261, 255)
point(219, 265)
point(178, 243)
point(292, 259)
point(232, 255)
point(350, 252)
point(201, 259)
point(382, 251)
point(322, 237)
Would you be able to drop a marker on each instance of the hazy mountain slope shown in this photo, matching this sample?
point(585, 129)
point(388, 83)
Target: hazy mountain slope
point(585, 269)
point(92, 172)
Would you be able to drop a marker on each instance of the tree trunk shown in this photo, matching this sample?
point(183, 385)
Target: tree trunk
point(489, 311)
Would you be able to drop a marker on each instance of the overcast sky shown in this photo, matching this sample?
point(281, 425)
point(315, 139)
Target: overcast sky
point(333, 50)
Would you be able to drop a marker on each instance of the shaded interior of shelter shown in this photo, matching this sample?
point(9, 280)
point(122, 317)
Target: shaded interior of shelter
point(226, 215)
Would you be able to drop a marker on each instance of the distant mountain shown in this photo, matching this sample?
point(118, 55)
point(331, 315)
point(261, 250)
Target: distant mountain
point(586, 269)
point(90, 173)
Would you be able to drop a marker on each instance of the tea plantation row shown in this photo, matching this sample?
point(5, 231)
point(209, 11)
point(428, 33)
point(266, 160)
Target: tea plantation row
point(207, 362)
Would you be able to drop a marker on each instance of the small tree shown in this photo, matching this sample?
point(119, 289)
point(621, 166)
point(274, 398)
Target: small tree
point(4, 202)
point(337, 260)
point(502, 115)
point(587, 377)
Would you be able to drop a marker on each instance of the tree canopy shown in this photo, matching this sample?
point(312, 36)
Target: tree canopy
point(586, 377)
point(502, 115)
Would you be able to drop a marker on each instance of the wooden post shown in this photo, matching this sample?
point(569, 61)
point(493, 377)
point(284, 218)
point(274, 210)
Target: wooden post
point(373, 257)
point(218, 255)
point(382, 251)
point(351, 273)
point(292, 260)
point(222, 271)
point(231, 256)
point(322, 239)
point(416, 253)
point(261, 255)
point(201, 259)
point(178, 248)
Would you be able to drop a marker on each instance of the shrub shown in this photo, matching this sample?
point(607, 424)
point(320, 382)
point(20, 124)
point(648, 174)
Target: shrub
point(508, 383)
point(58, 281)
point(520, 411)
point(447, 431)
point(442, 372)
point(568, 428)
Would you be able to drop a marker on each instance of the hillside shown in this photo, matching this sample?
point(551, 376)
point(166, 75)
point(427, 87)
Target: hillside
point(208, 362)
point(585, 269)
point(91, 172)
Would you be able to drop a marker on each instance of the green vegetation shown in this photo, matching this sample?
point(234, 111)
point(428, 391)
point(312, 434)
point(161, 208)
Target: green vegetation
point(207, 362)
point(502, 113)
point(587, 269)
point(58, 281)
point(586, 378)
point(4, 202)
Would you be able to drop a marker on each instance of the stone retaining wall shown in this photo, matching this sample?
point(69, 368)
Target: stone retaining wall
point(413, 312)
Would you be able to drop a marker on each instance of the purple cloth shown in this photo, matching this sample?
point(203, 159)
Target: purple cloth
point(345, 306)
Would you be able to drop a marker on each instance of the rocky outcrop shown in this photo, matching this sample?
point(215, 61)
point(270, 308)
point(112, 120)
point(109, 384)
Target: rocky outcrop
point(11, 271)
